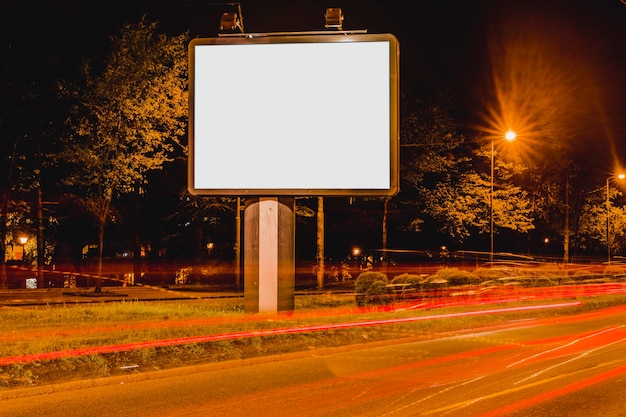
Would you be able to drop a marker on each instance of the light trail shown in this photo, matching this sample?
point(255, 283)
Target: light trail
point(564, 346)
point(585, 353)
point(426, 300)
point(567, 389)
point(10, 360)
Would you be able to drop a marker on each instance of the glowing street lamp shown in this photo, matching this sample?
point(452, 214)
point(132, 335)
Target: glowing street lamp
point(608, 216)
point(356, 252)
point(510, 136)
point(21, 240)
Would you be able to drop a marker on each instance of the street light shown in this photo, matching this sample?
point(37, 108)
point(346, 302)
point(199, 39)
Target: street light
point(232, 22)
point(608, 215)
point(334, 18)
point(510, 136)
point(356, 252)
point(21, 240)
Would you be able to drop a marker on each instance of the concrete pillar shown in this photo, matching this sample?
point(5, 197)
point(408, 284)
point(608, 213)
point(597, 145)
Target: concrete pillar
point(269, 254)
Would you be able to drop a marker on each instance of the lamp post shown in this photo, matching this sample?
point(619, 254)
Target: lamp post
point(608, 218)
point(510, 136)
point(22, 240)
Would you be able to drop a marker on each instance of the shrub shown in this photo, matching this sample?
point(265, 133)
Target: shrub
point(400, 279)
point(455, 276)
point(371, 288)
point(487, 274)
point(540, 281)
point(412, 279)
point(366, 279)
point(434, 283)
point(585, 275)
point(379, 293)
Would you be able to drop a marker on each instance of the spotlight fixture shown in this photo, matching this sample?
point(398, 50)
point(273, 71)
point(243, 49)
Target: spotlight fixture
point(334, 18)
point(231, 22)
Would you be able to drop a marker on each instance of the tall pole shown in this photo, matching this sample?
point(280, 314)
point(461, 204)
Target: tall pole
point(619, 176)
point(491, 207)
point(510, 136)
point(566, 231)
point(238, 245)
point(320, 242)
point(608, 213)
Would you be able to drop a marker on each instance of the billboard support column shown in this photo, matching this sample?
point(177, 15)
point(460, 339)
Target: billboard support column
point(269, 254)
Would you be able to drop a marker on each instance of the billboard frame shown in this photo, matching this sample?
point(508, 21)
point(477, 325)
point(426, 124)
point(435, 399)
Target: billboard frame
point(195, 157)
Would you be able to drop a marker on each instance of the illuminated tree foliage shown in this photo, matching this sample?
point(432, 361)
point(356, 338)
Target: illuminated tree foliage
point(465, 207)
point(130, 113)
point(447, 183)
point(594, 226)
point(429, 154)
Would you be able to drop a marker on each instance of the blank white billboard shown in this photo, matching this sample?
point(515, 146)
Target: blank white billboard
point(294, 115)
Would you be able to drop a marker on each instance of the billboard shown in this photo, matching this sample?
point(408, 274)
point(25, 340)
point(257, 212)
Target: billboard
point(297, 115)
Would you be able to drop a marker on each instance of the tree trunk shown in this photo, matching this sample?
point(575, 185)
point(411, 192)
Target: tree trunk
point(98, 283)
point(566, 232)
point(40, 240)
point(320, 242)
point(238, 245)
point(102, 220)
point(384, 234)
point(4, 284)
point(137, 261)
point(5, 196)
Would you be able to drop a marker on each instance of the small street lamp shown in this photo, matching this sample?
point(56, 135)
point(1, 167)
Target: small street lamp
point(356, 252)
point(510, 136)
point(21, 240)
point(608, 217)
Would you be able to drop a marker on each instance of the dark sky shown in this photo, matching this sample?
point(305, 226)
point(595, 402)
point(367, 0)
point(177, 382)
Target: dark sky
point(456, 44)
point(439, 38)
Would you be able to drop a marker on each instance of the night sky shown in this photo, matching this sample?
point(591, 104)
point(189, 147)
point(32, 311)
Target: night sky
point(549, 68)
point(569, 56)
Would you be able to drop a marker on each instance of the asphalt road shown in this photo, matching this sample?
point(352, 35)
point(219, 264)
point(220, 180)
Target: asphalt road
point(570, 366)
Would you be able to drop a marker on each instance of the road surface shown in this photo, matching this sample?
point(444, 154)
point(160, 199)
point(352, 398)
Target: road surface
point(570, 366)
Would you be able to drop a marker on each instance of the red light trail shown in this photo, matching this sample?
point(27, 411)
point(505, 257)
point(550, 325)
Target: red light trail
point(98, 350)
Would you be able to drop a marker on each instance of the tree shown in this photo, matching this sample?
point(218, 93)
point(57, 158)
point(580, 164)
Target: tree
point(610, 233)
point(428, 141)
point(465, 207)
point(443, 180)
point(7, 204)
point(128, 118)
point(201, 215)
point(29, 109)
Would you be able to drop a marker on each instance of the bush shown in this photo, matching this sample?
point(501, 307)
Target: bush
point(379, 293)
point(371, 288)
point(539, 281)
point(434, 283)
point(413, 280)
point(585, 275)
point(489, 274)
point(455, 276)
point(366, 279)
